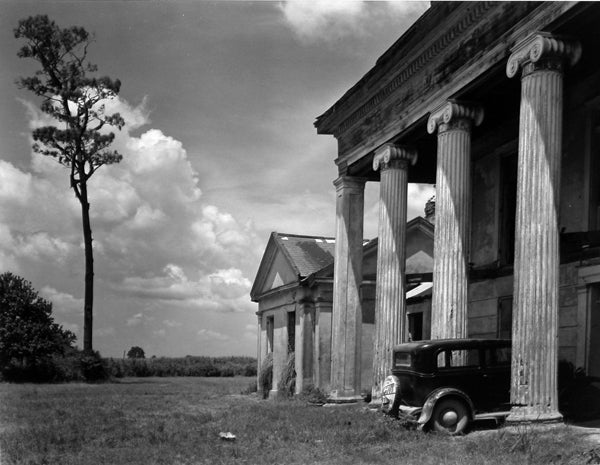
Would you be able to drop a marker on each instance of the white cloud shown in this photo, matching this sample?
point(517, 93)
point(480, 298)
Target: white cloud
point(62, 302)
point(135, 320)
point(15, 186)
point(332, 20)
point(172, 324)
point(221, 291)
point(103, 332)
point(208, 335)
point(229, 284)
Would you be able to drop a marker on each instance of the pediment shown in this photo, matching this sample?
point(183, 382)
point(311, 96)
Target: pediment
point(275, 271)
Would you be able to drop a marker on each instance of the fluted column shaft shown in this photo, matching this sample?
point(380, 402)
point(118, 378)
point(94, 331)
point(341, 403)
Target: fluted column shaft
point(304, 344)
point(347, 308)
point(534, 392)
point(390, 291)
point(453, 122)
point(261, 348)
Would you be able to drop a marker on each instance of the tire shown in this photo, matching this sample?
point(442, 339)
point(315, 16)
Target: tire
point(450, 416)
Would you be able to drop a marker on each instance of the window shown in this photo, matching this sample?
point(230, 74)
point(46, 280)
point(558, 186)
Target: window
point(594, 166)
point(458, 358)
point(270, 323)
point(508, 209)
point(402, 359)
point(291, 327)
point(498, 356)
point(504, 330)
point(415, 326)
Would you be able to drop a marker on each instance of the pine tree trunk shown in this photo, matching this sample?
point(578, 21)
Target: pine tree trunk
point(88, 316)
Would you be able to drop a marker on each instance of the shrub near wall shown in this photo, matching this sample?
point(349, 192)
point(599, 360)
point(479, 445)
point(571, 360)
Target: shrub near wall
point(184, 366)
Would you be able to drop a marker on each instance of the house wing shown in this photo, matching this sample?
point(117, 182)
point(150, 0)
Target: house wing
point(289, 258)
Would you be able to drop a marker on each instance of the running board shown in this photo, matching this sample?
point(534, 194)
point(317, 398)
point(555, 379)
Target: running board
point(492, 416)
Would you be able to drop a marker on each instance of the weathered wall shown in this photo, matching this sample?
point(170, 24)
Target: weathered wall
point(567, 316)
point(368, 331)
point(485, 174)
point(277, 306)
point(323, 306)
point(483, 305)
point(483, 309)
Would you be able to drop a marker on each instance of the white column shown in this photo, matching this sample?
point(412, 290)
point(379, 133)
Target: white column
point(453, 122)
point(347, 308)
point(390, 291)
point(323, 343)
point(541, 58)
point(261, 349)
point(304, 343)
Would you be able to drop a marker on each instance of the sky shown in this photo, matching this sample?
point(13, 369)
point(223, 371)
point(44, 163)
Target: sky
point(219, 149)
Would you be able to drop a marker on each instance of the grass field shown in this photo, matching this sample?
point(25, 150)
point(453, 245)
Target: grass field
point(178, 421)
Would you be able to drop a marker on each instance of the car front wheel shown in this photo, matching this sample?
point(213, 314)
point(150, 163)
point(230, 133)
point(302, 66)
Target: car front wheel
point(450, 416)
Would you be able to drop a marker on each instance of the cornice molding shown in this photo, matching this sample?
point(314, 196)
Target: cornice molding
point(350, 182)
point(393, 156)
point(455, 115)
point(477, 11)
point(542, 50)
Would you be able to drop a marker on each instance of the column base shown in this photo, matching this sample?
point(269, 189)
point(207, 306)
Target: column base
point(531, 415)
point(337, 397)
point(376, 402)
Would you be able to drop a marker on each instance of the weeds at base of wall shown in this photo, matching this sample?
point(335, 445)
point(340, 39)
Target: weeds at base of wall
point(286, 386)
point(313, 395)
point(265, 376)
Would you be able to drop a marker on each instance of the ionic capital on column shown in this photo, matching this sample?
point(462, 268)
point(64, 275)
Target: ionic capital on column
point(352, 183)
point(393, 156)
point(542, 51)
point(455, 115)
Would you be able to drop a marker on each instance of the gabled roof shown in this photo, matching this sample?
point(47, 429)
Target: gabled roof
point(307, 254)
point(422, 224)
point(418, 223)
point(304, 255)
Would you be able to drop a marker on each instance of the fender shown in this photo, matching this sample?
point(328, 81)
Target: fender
point(433, 398)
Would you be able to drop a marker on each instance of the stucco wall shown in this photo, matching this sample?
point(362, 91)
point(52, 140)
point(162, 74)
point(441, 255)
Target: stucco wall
point(484, 210)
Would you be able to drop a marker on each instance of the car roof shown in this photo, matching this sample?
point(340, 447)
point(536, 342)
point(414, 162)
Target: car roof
point(450, 344)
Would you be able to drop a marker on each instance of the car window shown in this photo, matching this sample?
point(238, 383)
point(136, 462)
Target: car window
point(458, 358)
point(498, 356)
point(402, 359)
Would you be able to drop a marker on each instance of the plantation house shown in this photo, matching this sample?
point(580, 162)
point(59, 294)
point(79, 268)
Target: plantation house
point(498, 105)
point(294, 291)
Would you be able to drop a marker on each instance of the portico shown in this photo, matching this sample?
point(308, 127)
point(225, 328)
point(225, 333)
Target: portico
point(498, 263)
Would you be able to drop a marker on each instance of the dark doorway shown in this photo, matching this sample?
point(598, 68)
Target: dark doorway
point(415, 326)
point(291, 327)
point(594, 352)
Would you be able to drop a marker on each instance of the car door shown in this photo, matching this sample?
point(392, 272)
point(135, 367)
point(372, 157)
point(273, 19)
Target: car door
point(496, 378)
point(461, 369)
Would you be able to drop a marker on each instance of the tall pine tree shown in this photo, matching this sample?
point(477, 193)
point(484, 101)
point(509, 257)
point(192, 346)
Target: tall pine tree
point(75, 99)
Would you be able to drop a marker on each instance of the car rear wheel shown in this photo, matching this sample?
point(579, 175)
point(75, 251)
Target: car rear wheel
point(450, 416)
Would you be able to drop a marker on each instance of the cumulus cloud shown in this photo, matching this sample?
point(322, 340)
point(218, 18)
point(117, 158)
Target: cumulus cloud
point(220, 291)
point(62, 302)
point(208, 335)
point(109, 331)
point(155, 238)
point(332, 20)
point(139, 319)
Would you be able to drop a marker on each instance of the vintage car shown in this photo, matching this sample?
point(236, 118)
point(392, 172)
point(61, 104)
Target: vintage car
point(446, 384)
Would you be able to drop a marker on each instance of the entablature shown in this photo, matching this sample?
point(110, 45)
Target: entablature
point(467, 44)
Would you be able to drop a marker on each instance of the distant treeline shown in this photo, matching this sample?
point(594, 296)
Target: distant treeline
point(183, 366)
